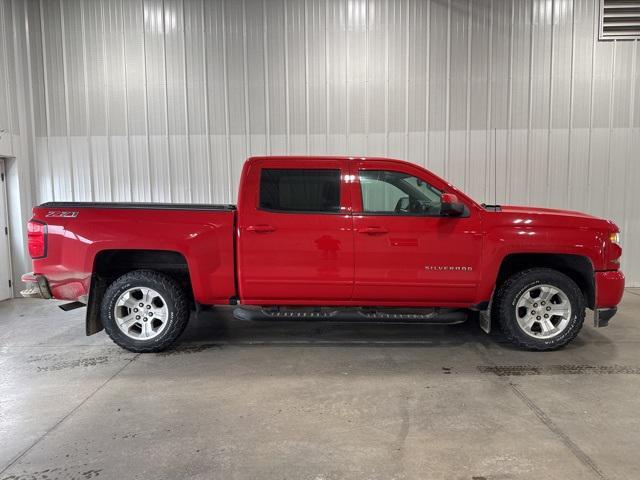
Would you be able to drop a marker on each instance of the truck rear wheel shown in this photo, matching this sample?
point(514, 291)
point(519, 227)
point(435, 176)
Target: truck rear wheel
point(144, 311)
point(540, 309)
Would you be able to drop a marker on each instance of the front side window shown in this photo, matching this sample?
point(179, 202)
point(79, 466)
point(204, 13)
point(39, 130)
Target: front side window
point(300, 190)
point(396, 193)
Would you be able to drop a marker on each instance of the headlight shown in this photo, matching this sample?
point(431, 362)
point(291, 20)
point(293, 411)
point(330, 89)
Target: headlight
point(614, 237)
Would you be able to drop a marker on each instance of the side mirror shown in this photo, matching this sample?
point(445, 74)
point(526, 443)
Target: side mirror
point(450, 205)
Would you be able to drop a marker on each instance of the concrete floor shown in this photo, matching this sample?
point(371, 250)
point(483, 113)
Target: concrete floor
point(315, 401)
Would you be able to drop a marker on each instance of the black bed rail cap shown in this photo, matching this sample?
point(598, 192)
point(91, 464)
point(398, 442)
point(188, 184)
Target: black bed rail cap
point(137, 205)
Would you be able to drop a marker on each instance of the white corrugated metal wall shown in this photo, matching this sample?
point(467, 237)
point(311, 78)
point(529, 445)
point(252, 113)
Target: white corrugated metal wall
point(153, 100)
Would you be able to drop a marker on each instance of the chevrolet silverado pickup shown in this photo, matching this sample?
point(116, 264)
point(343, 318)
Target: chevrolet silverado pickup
point(328, 238)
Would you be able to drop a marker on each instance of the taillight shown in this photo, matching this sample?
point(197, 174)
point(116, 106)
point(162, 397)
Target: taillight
point(37, 239)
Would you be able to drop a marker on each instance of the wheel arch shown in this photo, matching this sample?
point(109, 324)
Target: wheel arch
point(577, 267)
point(113, 263)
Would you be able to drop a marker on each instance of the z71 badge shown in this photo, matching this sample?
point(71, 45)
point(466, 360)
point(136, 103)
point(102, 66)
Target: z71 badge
point(61, 214)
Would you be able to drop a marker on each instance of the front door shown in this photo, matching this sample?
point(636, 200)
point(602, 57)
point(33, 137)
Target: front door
point(295, 233)
point(406, 252)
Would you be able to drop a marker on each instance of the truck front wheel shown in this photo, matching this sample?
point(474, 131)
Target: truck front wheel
point(144, 311)
point(540, 309)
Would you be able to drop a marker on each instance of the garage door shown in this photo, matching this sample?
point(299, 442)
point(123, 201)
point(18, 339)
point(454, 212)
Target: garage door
point(5, 258)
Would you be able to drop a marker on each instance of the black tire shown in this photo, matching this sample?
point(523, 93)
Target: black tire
point(176, 302)
point(508, 294)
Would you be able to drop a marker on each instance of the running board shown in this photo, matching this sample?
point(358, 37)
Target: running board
point(435, 316)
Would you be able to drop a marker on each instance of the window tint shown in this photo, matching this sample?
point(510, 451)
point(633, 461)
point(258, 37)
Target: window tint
point(300, 190)
point(396, 193)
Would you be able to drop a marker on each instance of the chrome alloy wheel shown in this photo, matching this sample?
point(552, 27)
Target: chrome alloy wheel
point(543, 311)
point(141, 313)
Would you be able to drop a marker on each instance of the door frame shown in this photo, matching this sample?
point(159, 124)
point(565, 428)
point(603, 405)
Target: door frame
point(7, 234)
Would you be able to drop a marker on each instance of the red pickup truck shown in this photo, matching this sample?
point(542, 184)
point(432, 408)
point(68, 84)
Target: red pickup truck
point(328, 238)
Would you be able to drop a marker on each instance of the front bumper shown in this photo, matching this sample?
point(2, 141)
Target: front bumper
point(601, 316)
point(609, 288)
point(38, 286)
point(609, 291)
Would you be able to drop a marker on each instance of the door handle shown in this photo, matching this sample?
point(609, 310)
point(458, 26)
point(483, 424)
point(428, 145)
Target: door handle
point(374, 230)
point(261, 228)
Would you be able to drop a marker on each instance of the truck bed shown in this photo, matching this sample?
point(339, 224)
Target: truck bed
point(80, 235)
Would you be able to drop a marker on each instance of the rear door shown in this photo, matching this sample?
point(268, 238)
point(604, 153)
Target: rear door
point(295, 233)
point(405, 251)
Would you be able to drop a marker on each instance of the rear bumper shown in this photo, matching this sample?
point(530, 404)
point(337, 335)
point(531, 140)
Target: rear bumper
point(37, 286)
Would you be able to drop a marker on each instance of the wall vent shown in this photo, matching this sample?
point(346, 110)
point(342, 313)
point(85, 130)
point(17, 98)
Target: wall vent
point(619, 19)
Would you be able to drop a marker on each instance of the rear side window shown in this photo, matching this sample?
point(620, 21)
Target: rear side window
point(300, 190)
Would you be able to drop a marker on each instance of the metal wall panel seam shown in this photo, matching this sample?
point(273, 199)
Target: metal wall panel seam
point(406, 91)
point(591, 95)
point(19, 82)
point(265, 58)
point(46, 99)
point(489, 107)
point(7, 93)
point(386, 82)
point(3, 37)
point(186, 102)
point(206, 101)
point(126, 101)
point(29, 95)
point(346, 75)
point(612, 98)
point(306, 71)
point(550, 114)
point(286, 77)
point(467, 140)
point(509, 107)
point(245, 66)
point(627, 168)
point(571, 85)
point(166, 97)
point(146, 95)
point(530, 102)
point(5, 65)
point(5, 49)
point(427, 87)
point(226, 101)
point(13, 128)
point(87, 105)
point(326, 77)
point(66, 98)
point(366, 77)
point(447, 126)
point(600, 17)
point(13, 108)
point(106, 103)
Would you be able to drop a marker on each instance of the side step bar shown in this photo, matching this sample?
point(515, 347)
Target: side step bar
point(435, 316)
